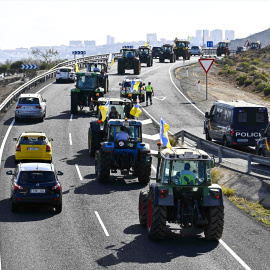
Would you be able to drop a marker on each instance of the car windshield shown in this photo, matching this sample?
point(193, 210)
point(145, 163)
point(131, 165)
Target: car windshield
point(127, 84)
point(36, 176)
point(134, 132)
point(65, 70)
point(29, 100)
point(180, 44)
point(222, 45)
point(34, 140)
point(87, 82)
point(186, 172)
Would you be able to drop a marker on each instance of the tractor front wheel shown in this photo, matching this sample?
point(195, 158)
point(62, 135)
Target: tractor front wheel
point(144, 171)
point(143, 208)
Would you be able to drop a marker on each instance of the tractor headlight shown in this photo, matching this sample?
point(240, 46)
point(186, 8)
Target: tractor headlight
point(121, 143)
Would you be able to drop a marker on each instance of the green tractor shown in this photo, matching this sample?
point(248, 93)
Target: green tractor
point(129, 155)
point(129, 60)
point(167, 53)
point(183, 194)
point(181, 49)
point(223, 48)
point(145, 55)
point(88, 89)
point(118, 108)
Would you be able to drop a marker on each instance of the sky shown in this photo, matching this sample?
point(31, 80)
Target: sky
point(28, 23)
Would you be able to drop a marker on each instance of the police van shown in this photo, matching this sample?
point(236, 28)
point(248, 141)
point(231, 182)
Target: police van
point(235, 123)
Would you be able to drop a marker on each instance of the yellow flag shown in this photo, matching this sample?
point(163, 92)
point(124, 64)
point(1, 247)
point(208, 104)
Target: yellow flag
point(77, 68)
point(103, 110)
point(146, 44)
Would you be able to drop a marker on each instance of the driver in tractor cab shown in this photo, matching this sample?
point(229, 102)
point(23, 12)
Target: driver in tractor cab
point(113, 113)
point(96, 69)
point(185, 177)
point(122, 135)
point(129, 55)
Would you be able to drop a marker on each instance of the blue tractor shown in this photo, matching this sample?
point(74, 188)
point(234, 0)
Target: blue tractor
point(127, 155)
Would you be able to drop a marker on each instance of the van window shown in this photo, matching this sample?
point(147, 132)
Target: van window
point(227, 115)
point(242, 116)
point(251, 116)
point(260, 117)
point(219, 113)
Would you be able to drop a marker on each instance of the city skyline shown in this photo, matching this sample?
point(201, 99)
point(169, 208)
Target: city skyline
point(31, 23)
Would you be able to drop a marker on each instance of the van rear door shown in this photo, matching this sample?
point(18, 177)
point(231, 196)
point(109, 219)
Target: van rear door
point(249, 124)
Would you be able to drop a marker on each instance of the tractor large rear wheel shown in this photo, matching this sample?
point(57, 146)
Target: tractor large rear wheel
point(156, 219)
point(74, 103)
point(102, 166)
point(137, 68)
point(94, 140)
point(215, 216)
point(144, 169)
point(121, 68)
point(143, 208)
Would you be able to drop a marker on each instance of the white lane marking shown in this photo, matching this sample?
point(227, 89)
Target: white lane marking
point(5, 139)
point(224, 244)
point(146, 121)
point(78, 171)
point(102, 224)
point(71, 116)
point(70, 139)
point(182, 92)
point(161, 99)
point(151, 137)
point(44, 87)
point(234, 255)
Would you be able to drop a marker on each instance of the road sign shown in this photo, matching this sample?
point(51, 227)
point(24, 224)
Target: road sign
point(206, 64)
point(247, 44)
point(28, 66)
point(209, 43)
point(78, 52)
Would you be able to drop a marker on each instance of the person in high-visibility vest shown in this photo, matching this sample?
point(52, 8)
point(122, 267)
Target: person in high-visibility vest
point(149, 92)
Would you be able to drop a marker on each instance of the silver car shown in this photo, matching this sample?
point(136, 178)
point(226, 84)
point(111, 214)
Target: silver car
point(30, 106)
point(196, 50)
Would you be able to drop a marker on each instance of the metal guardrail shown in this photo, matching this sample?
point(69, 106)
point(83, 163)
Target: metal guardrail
point(221, 150)
point(213, 51)
point(47, 75)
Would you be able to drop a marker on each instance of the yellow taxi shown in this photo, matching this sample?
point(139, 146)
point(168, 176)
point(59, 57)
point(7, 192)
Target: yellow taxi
point(33, 146)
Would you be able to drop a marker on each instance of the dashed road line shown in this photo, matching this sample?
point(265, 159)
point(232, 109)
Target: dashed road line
point(102, 224)
point(71, 117)
point(78, 171)
point(70, 139)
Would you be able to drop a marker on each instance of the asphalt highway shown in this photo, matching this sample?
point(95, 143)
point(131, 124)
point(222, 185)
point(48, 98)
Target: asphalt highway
point(99, 225)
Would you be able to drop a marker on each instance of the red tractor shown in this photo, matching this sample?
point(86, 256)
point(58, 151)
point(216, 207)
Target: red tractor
point(223, 48)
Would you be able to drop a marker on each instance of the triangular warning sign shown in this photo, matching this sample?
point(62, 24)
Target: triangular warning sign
point(247, 44)
point(206, 64)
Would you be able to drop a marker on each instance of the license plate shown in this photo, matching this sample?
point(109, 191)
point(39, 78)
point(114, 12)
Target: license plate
point(242, 140)
point(29, 108)
point(37, 190)
point(33, 148)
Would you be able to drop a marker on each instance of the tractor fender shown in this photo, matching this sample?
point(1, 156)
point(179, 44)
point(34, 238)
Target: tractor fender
point(167, 200)
point(143, 147)
point(107, 146)
point(210, 199)
point(95, 126)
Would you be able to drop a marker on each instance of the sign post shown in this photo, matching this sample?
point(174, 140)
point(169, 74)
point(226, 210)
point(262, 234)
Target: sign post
point(206, 65)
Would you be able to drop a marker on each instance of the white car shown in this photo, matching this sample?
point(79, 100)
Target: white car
point(196, 50)
point(65, 74)
point(30, 106)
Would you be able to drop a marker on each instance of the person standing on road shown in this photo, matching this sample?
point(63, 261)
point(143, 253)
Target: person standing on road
point(149, 92)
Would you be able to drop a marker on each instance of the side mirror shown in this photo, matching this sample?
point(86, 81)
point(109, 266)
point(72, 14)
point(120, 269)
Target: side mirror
point(60, 173)
point(213, 163)
point(44, 100)
point(9, 173)
point(206, 115)
point(120, 84)
point(15, 139)
point(143, 84)
point(50, 139)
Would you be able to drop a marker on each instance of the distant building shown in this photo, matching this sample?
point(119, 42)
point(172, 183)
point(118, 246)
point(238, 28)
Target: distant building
point(151, 38)
point(229, 35)
point(89, 43)
point(75, 43)
point(216, 35)
point(110, 40)
point(198, 34)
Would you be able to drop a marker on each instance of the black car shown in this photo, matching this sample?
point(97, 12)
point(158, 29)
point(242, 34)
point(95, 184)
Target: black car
point(156, 52)
point(35, 183)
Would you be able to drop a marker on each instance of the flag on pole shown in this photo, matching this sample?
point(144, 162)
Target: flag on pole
point(164, 139)
point(111, 60)
point(76, 68)
point(136, 111)
point(135, 85)
point(146, 44)
point(104, 110)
